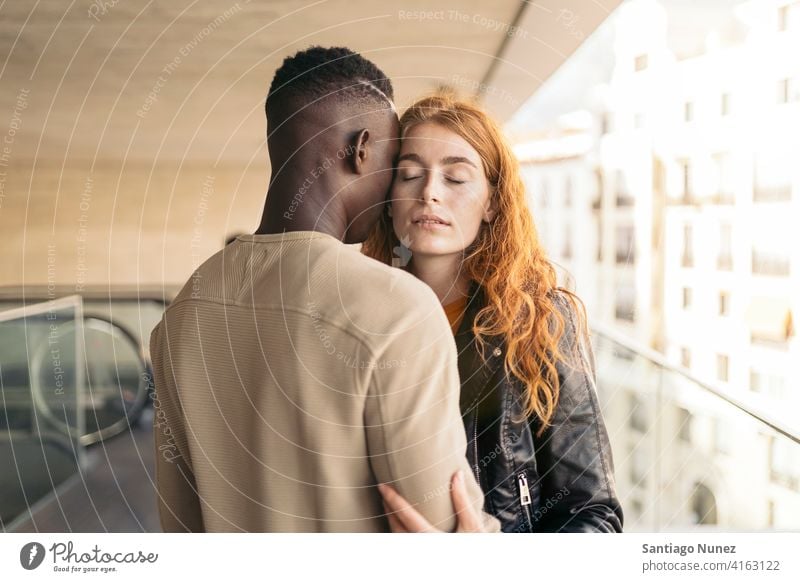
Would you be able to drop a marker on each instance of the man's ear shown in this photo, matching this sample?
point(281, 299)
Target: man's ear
point(359, 157)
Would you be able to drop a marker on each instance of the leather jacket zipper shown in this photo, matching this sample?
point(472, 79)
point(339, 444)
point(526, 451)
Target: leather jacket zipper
point(475, 445)
point(524, 495)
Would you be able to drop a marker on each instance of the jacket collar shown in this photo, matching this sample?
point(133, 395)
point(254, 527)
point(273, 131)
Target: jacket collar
point(474, 373)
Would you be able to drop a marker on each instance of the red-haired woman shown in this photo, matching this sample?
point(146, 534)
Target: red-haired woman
point(537, 442)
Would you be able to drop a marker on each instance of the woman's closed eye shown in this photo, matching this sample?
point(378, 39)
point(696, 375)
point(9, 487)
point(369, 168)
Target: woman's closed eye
point(408, 173)
point(409, 176)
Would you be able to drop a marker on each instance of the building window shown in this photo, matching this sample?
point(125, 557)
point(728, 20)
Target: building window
point(772, 176)
point(566, 251)
point(624, 197)
point(686, 180)
point(725, 178)
point(784, 463)
point(544, 193)
point(789, 16)
point(638, 416)
point(783, 18)
point(687, 259)
point(704, 505)
point(568, 191)
point(625, 304)
point(688, 111)
point(623, 353)
point(725, 104)
point(640, 63)
point(685, 425)
point(686, 358)
point(771, 385)
point(775, 387)
point(782, 95)
point(788, 91)
point(640, 467)
point(770, 513)
point(687, 297)
point(724, 304)
point(770, 321)
point(605, 123)
point(723, 436)
point(725, 256)
point(625, 245)
point(597, 203)
point(599, 241)
point(755, 381)
point(771, 264)
point(722, 367)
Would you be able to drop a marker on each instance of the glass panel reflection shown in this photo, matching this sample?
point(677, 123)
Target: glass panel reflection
point(686, 456)
point(42, 389)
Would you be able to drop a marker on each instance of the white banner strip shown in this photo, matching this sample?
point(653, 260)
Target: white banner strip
point(755, 557)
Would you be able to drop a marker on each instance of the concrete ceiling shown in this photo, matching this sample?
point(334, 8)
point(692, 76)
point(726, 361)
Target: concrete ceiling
point(76, 76)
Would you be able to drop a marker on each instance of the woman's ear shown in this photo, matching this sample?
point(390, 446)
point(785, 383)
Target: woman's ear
point(490, 210)
point(359, 157)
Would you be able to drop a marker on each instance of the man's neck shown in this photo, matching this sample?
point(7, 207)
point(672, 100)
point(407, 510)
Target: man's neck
point(299, 222)
point(293, 206)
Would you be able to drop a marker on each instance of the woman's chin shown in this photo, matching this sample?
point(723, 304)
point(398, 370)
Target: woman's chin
point(431, 244)
point(432, 250)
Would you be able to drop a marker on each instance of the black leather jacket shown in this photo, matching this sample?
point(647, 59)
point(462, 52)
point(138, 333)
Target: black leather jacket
point(562, 481)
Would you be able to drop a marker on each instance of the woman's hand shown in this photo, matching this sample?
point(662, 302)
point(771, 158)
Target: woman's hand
point(403, 518)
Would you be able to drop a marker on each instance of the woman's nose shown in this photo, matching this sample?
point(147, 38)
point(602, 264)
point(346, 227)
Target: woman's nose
point(429, 191)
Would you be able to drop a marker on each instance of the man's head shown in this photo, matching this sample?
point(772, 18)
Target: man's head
point(330, 111)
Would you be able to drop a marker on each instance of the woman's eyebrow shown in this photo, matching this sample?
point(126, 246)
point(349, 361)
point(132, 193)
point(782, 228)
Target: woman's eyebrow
point(448, 161)
point(412, 157)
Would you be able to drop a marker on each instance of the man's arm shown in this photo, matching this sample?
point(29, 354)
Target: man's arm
point(178, 501)
point(414, 429)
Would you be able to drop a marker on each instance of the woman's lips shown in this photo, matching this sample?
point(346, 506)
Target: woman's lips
point(430, 224)
point(429, 221)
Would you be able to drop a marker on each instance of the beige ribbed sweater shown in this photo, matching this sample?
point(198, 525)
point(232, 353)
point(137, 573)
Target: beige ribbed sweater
point(292, 374)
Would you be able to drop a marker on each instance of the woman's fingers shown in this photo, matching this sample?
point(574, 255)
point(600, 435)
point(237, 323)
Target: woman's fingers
point(403, 511)
point(404, 518)
point(394, 523)
point(468, 519)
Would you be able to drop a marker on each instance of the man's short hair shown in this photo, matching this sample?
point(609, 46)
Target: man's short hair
point(317, 72)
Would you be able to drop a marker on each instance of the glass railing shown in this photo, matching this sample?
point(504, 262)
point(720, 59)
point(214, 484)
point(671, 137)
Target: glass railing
point(42, 390)
point(688, 455)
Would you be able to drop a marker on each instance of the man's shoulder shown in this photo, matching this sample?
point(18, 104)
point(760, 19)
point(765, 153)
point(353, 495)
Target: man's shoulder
point(205, 281)
point(371, 300)
point(371, 281)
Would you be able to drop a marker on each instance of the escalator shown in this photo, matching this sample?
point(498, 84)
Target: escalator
point(75, 426)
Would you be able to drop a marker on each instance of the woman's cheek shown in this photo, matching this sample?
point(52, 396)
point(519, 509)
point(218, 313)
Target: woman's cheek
point(400, 218)
point(468, 231)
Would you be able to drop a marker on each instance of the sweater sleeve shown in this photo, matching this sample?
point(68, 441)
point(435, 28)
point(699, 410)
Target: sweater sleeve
point(178, 500)
point(415, 433)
